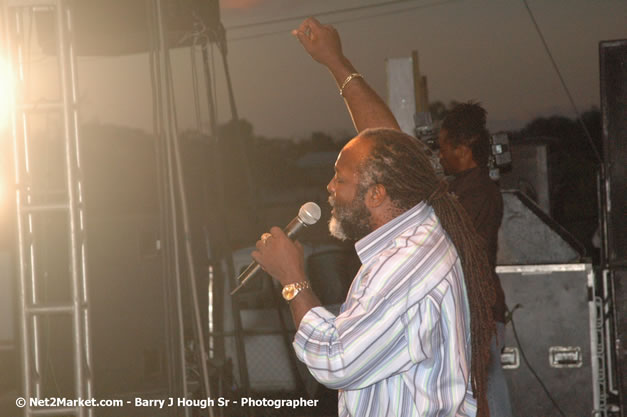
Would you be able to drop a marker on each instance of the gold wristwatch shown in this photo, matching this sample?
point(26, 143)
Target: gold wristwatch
point(291, 290)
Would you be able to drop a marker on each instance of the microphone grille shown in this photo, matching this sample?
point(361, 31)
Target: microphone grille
point(309, 213)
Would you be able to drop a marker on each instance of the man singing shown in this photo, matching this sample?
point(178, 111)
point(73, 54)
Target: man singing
point(464, 151)
point(412, 337)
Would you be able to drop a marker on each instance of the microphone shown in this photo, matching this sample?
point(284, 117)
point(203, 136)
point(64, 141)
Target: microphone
point(308, 214)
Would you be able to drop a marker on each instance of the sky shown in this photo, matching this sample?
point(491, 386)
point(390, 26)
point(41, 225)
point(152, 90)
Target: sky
point(485, 50)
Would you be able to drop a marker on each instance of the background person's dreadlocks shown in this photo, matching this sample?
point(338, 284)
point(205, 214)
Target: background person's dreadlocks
point(399, 163)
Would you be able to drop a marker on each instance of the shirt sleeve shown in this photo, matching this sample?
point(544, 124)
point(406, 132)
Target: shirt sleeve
point(382, 332)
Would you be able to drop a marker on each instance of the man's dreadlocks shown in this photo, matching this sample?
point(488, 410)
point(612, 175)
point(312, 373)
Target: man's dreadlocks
point(399, 163)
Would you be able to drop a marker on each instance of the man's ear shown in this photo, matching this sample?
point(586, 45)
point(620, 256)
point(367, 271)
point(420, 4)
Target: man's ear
point(376, 196)
point(462, 151)
point(464, 155)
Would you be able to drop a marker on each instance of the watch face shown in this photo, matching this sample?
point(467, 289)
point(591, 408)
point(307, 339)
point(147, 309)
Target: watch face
point(289, 292)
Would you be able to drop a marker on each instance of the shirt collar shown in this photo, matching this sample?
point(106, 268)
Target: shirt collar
point(379, 239)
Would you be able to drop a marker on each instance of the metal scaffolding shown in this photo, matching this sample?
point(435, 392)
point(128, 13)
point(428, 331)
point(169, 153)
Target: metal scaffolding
point(40, 203)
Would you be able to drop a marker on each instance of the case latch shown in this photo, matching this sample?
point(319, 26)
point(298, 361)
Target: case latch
point(510, 358)
point(565, 357)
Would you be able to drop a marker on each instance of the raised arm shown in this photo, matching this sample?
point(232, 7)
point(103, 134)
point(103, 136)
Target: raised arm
point(365, 106)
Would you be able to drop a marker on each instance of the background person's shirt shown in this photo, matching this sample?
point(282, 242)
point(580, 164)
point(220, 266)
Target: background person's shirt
point(482, 200)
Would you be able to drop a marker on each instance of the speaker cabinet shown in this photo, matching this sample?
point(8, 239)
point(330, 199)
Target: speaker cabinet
point(555, 320)
point(613, 71)
point(619, 334)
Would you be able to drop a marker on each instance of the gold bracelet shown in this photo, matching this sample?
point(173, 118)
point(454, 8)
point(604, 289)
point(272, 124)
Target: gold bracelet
point(348, 80)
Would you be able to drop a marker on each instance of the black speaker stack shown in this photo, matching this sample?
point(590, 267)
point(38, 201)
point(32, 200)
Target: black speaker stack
point(613, 72)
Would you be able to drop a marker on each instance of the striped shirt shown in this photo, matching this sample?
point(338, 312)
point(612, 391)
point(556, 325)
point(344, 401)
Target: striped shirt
point(400, 345)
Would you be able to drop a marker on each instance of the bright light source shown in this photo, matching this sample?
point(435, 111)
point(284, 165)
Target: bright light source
point(7, 86)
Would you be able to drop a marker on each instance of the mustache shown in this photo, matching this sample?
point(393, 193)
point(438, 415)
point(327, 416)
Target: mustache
point(331, 201)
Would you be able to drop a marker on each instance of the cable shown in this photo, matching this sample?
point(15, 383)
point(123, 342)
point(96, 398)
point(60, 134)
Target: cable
point(327, 13)
point(559, 74)
point(392, 12)
point(422, 6)
point(522, 353)
point(202, 35)
point(195, 88)
point(168, 225)
point(213, 84)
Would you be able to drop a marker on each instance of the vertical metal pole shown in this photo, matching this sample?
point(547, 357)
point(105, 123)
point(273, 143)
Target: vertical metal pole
point(12, 16)
point(595, 324)
point(229, 84)
point(170, 226)
point(73, 209)
point(198, 328)
point(80, 279)
point(208, 87)
point(172, 291)
point(32, 313)
point(194, 67)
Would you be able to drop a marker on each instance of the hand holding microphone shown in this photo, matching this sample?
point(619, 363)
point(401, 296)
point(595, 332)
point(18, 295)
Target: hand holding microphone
point(277, 253)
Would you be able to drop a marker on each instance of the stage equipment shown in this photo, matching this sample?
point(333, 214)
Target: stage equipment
point(8, 332)
point(500, 154)
point(407, 93)
point(613, 214)
point(176, 230)
point(529, 236)
point(531, 172)
point(120, 27)
point(7, 304)
point(613, 318)
point(615, 321)
point(613, 71)
point(54, 302)
point(308, 215)
point(555, 311)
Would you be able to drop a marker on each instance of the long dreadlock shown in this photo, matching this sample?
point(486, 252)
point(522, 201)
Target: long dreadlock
point(399, 163)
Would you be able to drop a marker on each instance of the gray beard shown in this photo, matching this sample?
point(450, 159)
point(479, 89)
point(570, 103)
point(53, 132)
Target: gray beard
point(352, 221)
point(336, 230)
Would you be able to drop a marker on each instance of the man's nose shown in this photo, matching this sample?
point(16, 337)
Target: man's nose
point(331, 186)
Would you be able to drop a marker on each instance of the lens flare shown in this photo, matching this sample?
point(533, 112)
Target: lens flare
point(6, 93)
